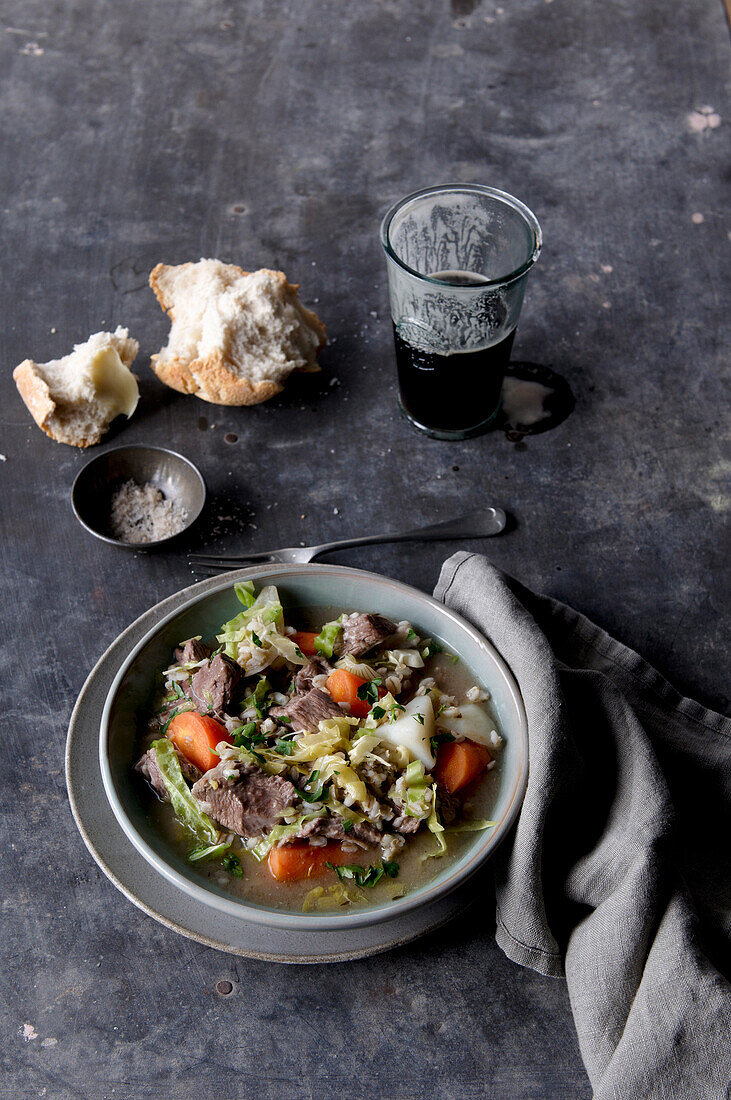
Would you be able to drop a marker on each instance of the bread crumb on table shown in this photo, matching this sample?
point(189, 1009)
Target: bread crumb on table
point(142, 513)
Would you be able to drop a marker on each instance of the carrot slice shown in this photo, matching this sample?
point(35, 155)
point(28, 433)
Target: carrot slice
point(293, 862)
point(196, 736)
point(305, 639)
point(460, 763)
point(343, 686)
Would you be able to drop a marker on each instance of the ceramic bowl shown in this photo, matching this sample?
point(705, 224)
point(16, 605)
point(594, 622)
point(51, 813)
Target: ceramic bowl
point(176, 476)
point(312, 586)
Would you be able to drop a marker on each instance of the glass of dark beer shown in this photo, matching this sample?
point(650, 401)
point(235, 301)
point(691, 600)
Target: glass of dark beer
point(458, 257)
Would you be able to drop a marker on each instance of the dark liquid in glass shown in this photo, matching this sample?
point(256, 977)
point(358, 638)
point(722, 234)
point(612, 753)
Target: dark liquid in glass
point(452, 393)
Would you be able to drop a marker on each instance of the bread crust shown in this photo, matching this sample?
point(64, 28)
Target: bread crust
point(36, 394)
point(41, 406)
point(212, 379)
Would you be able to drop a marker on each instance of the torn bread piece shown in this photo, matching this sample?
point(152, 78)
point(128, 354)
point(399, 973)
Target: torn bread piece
point(236, 335)
point(75, 399)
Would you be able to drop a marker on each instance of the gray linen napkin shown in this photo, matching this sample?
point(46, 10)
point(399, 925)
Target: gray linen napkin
point(617, 872)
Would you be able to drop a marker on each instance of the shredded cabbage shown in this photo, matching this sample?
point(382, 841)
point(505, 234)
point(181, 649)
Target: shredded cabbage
point(415, 775)
point(328, 636)
point(186, 808)
point(186, 667)
point(332, 735)
point(255, 637)
point(320, 898)
point(409, 657)
point(472, 826)
point(435, 826)
point(344, 811)
point(208, 851)
point(410, 789)
point(245, 592)
point(397, 756)
point(335, 767)
point(286, 648)
point(362, 747)
point(342, 775)
point(280, 832)
point(258, 696)
point(358, 668)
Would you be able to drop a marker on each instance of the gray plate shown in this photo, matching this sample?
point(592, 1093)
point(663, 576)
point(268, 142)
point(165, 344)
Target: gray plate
point(139, 882)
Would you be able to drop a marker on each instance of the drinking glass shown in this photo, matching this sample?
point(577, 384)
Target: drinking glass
point(458, 257)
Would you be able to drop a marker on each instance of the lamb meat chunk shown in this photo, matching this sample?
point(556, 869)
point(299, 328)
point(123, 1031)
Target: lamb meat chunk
point(250, 803)
point(215, 683)
point(192, 650)
point(361, 633)
point(448, 805)
point(316, 666)
point(406, 825)
point(332, 828)
point(147, 767)
point(305, 712)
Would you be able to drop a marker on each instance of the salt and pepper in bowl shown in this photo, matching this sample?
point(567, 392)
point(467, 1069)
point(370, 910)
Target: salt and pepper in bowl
point(138, 497)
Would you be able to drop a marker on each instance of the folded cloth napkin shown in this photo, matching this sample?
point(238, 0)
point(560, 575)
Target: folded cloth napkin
point(617, 872)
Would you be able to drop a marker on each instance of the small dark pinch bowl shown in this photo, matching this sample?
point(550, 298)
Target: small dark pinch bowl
point(96, 483)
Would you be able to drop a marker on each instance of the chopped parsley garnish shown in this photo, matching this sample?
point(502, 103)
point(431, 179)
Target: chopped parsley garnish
point(369, 691)
point(307, 793)
point(393, 709)
point(411, 633)
point(365, 876)
point(256, 639)
point(418, 718)
point(431, 648)
point(284, 748)
point(246, 736)
point(232, 864)
point(378, 712)
point(439, 739)
point(347, 825)
point(174, 714)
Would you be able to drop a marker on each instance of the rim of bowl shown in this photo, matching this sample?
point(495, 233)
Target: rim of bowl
point(137, 447)
point(319, 921)
point(505, 197)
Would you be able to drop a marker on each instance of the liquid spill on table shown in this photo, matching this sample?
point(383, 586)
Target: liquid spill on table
point(536, 399)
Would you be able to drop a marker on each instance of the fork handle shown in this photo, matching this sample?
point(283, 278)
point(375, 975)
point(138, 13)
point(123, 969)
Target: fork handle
point(482, 523)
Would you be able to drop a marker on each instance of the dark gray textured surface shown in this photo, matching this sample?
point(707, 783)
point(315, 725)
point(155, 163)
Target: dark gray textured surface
point(276, 134)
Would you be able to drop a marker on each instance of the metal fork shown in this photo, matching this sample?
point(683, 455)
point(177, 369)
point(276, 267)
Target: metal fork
point(480, 524)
